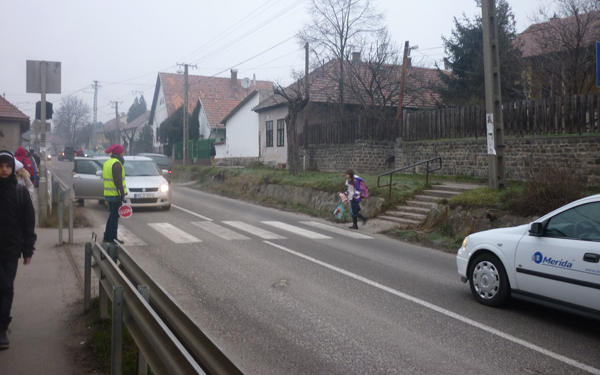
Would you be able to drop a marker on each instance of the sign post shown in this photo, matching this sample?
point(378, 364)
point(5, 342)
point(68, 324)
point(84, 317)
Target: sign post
point(598, 63)
point(43, 77)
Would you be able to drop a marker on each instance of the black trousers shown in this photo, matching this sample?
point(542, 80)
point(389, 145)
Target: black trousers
point(8, 272)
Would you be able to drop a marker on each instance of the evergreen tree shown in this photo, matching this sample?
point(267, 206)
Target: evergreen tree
point(137, 109)
point(464, 57)
point(144, 142)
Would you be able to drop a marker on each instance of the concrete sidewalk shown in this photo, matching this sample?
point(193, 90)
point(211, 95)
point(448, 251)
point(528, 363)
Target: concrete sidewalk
point(47, 334)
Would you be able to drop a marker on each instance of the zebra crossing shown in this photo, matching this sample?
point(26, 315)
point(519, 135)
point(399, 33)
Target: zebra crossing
point(241, 231)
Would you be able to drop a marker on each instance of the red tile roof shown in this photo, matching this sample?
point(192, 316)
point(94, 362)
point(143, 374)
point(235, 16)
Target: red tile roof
point(420, 88)
point(219, 96)
point(9, 112)
point(559, 34)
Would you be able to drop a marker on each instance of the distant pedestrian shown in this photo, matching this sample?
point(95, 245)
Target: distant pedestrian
point(115, 189)
point(213, 153)
point(23, 177)
point(17, 231)
point(354, 196)
point(23, 156)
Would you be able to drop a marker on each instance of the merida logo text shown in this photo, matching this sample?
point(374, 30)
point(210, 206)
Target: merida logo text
point(548, 261)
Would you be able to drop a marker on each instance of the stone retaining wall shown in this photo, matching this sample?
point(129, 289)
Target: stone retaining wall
point(463, 157)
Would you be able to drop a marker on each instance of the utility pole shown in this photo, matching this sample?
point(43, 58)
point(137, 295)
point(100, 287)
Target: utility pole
point(403, 81)
point(493, 96)
point(307, 88)
point(185, 110)
point(94, 145)
point(118, 124)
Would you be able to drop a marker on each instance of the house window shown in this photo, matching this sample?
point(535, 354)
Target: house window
point(269, 133)
point(280, 133)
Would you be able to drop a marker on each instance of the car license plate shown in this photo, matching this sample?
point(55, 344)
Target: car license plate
point(143, 195)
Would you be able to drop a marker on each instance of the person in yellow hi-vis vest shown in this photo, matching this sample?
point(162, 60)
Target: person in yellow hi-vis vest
point(113, 174)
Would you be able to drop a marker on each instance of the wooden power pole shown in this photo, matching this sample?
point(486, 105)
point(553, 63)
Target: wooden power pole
point(493, 96)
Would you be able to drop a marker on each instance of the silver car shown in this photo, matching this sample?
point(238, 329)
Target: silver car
point(146, 184)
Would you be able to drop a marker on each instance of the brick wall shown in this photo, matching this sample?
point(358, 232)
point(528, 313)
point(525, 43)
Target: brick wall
point(467, 157)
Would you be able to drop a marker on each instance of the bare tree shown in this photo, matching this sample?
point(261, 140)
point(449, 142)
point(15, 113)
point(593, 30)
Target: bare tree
point(296, 96)
point(72, 115)
point(337, 28)
point(562, 47)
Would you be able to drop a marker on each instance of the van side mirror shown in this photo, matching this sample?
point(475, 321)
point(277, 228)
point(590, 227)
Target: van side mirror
point(536, 229)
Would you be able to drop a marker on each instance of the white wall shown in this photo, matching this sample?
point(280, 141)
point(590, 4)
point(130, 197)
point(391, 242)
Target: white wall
point(272, 155)
point(241, 139)
point(160, 115)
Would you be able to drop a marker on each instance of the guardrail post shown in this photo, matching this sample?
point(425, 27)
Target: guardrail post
point(117, 331)
point(87, 277)
point(60, 217)
point(70, 222)
point(142, 363)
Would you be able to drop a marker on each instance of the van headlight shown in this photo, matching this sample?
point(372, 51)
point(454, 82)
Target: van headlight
point(465, 242)
point(164, 188)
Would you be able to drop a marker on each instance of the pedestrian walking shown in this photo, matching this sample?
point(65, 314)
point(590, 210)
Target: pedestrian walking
point(213, 153)
point(23, 177)
point(113, 175)
point(354, 194)
point(17, 231)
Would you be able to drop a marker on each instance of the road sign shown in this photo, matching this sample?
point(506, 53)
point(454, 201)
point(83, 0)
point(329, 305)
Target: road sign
point(125, 211)
point(39, 71)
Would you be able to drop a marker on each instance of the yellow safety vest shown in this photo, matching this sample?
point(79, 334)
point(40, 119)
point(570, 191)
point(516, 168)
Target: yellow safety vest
point(110, 189)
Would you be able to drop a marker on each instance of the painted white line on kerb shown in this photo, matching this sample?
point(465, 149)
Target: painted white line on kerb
point(173, 233)
point(217, 230)
point(297, 230)
point(486, 328)
point(192, 213)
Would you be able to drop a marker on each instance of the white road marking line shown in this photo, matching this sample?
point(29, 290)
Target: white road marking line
point(217, 230)
point(128, 237)
point(336, 230)
point(173, 233)
point(192, 213)
point(264, 234)
point(297, 230)
point(471, 322)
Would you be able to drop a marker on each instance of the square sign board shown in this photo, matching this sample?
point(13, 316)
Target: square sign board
point(35, 69)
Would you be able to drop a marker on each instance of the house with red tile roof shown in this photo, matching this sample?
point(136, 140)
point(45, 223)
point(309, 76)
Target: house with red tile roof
point(13, 123)
point(214, 97)
point(557, 46)
point(128, 132)
point(364, 87)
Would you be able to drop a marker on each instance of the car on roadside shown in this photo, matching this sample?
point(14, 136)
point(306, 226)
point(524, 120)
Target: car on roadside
point(146, 185)
point(554, 261)
point(163, 162)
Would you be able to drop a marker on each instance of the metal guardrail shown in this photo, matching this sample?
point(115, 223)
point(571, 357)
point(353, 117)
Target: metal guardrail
point(391, 173)
point(60, 194)
point(168, 339)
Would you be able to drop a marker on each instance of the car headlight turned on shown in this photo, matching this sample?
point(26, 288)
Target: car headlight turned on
point(164, 188)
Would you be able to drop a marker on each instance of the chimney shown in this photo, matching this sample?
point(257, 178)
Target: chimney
point(234, 77)
point(355, 56)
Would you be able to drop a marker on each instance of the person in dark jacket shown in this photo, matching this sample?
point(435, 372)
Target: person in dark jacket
point(354, 196)
point(113, 174)
point(17, 234)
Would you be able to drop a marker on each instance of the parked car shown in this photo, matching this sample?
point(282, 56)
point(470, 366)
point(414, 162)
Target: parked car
point(163, 162)
point(554, 260)
point(67, 153)
point(146, 187)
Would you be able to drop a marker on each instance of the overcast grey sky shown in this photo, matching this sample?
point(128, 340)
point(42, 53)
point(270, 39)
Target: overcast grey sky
point(123, 44)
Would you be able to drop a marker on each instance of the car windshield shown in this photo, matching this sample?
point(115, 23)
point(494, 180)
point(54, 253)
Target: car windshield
point(160, 160)
point(141, 168)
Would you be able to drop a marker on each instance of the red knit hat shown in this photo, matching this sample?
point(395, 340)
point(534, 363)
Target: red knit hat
point(115, 149)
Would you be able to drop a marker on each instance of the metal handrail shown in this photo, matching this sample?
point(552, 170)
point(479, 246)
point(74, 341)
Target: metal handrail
point(168, 339)
point(391, 173)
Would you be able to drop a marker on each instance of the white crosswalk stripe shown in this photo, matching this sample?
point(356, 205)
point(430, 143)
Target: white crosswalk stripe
point(264, 234)
point(220, 231)
point(297, 230)
point(127, 237)
point(336, 230)
point(173, 233)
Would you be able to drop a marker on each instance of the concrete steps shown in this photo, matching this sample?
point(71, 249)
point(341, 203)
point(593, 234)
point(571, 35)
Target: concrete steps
point(414, 211)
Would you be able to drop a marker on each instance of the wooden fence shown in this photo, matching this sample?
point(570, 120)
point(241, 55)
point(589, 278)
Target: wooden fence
point(558, 115)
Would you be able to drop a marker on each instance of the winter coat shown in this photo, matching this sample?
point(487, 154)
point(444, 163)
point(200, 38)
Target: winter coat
point(17, 219)
point(353, 191)
point(22, 156)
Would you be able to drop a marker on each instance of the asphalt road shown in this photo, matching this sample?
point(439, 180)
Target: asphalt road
point(284, 293)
